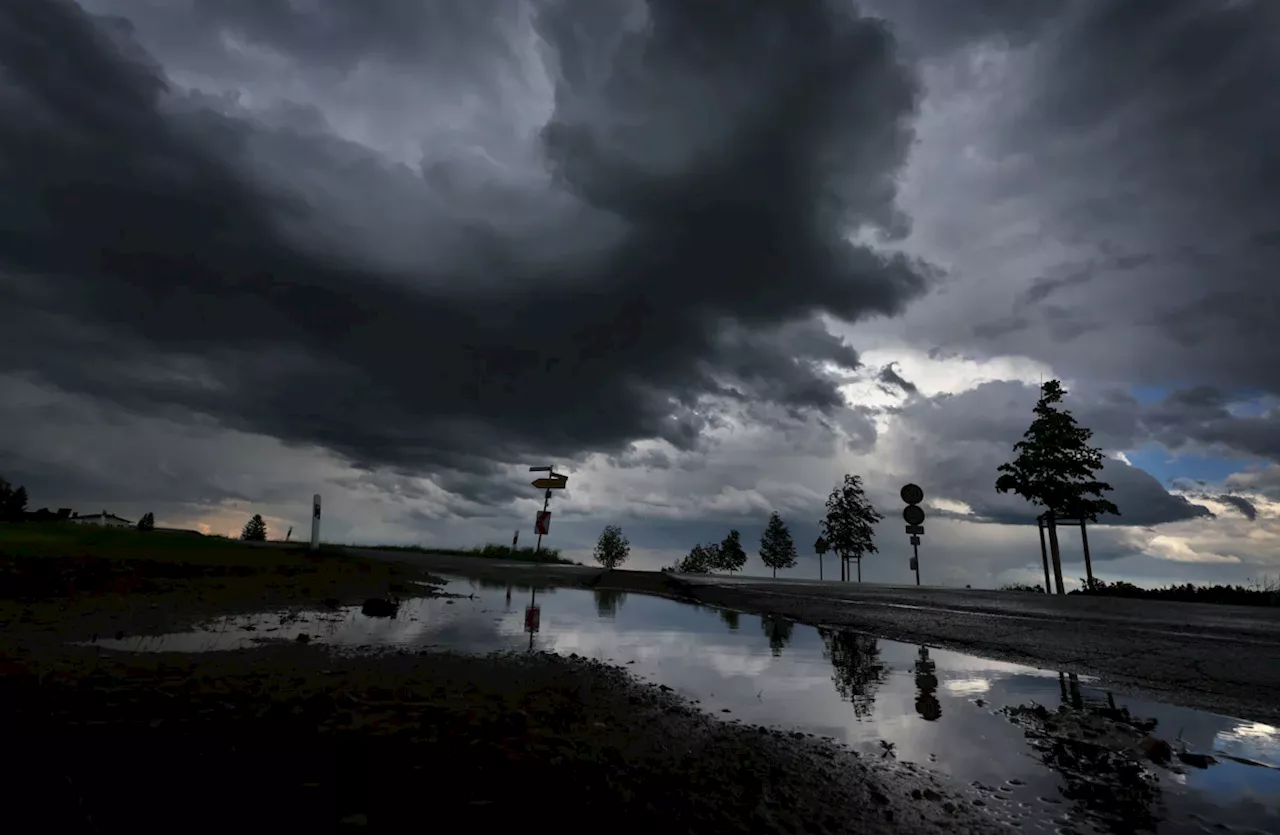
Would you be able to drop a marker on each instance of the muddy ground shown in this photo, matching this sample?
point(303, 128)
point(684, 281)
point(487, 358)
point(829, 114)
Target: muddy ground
point(290, 737)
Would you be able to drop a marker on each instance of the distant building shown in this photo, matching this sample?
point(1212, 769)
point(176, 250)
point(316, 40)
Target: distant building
point(103, 519)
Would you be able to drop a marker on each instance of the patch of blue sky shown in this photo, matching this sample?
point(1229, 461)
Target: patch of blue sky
point(1167, 466)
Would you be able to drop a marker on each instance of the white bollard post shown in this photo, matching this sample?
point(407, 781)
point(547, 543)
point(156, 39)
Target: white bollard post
point(315, 522)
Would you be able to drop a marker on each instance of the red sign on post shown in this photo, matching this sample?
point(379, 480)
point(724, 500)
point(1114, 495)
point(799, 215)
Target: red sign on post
point(542, 527)
point(532, 618)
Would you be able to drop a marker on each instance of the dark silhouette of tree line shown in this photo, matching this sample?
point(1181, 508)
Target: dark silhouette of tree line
point(847, 530)
point(13, 502)
point(1262, 592)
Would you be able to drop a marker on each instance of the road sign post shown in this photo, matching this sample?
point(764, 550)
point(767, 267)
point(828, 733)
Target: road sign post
point(552, 481)
point(532, 615)
point(913, 515)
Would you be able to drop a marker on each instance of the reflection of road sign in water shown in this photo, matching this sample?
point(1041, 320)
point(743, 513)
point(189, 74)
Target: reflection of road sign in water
point(555, 483)
point(532, 618)
point(543, 525)
point(315, 521)
point(914, 514)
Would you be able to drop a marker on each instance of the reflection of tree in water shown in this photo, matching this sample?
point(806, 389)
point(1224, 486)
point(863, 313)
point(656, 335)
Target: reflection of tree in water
point(1097, 748)
point(927, 704)
point(729, 617)
point(778, 631)
point(609, 601)
point(856, 670)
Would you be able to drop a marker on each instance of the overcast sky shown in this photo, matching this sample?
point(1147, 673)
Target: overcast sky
point(704, 257)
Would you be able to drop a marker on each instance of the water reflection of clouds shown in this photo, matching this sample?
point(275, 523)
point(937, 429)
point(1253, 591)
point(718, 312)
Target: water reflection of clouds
point(967, 686)
point(1252, 741)
point(923, 700)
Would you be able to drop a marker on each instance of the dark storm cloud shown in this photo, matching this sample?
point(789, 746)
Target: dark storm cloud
point(1201, 417)
point(935, 27)
point(146, 266)
point(1148, 135)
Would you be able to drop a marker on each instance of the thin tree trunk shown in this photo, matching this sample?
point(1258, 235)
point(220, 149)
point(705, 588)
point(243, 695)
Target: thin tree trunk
point(859, 569)
point(1055, 552)
point(775, 574)
point(1088, 563)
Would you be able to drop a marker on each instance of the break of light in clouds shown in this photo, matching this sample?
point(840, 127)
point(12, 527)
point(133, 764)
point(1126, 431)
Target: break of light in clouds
point(706, 257)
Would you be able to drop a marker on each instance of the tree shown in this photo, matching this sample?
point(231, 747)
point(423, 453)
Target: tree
point(13, 502)
point(701, 559)
point(732, 557)
point(1054, 469)
point(255, 530)
point(776, 548)
point(856, 669)
point(778, 630)
point(608, 602)
point(147, 522)
point(849, 525)
point(612, 548)
point(16, 505)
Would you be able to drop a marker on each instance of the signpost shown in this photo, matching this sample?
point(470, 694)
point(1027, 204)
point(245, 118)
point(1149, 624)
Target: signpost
point(552, 481)
point(820, 548)
point(315, 521)
point(913, 515)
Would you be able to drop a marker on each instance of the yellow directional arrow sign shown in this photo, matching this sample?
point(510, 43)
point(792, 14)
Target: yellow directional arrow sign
point(551, 483)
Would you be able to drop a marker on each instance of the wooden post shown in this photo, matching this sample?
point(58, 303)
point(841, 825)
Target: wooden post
point(1055, 551)
point(1044, 555)
point(1088, 563)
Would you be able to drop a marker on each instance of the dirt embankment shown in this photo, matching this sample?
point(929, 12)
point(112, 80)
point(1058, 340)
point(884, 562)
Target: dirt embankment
point(291, 737)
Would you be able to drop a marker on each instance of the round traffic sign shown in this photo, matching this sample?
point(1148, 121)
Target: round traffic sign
point(913, 514)
point(912, 494)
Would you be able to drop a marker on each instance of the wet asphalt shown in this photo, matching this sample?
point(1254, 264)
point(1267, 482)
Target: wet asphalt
point(1224, 659)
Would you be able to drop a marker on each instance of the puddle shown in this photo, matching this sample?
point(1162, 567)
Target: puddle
point(1052, 752)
